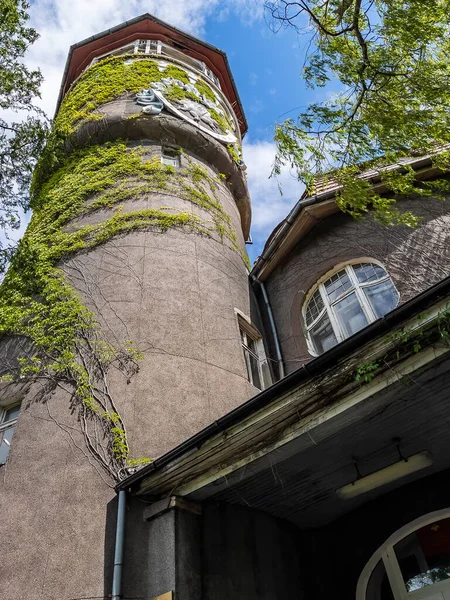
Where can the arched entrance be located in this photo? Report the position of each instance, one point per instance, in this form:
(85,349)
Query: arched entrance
(413,564)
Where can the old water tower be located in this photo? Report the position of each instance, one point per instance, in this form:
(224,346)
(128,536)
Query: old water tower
(126,326)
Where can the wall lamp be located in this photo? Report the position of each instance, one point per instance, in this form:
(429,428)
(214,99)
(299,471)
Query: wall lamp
(400,469)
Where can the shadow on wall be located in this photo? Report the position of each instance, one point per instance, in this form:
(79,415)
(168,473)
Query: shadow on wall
(109,543)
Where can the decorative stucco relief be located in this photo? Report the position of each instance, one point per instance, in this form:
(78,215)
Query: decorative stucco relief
(196,112)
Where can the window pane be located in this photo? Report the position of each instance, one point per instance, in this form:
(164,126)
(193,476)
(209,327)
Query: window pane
(379,587)
(265,370)
(251,344)
(424,556)
(315,306)
(5,440)
(369,272)
(12,413)
(383,297)
(337,285)
(350,314)
(322,335)
(254,368)
(170,160)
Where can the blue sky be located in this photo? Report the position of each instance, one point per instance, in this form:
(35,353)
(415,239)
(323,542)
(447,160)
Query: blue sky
(266,67)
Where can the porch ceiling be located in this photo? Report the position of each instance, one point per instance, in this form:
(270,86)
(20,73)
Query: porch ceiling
(298,481)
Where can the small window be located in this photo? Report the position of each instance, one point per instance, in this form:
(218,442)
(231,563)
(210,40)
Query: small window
(144,46)
(349,300)
(8,420)
(258,371)
(170,156)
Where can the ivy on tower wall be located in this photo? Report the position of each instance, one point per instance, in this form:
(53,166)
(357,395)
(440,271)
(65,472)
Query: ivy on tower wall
(38,302)
(107,80)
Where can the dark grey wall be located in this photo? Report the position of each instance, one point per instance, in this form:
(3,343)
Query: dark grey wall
(226,552)
(162,554)
(415,259)
(248,554)
(234,552)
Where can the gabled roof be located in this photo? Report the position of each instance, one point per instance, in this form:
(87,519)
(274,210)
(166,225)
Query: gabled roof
(149,27)
(312,208)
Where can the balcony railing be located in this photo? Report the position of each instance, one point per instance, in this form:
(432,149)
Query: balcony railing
(157,47)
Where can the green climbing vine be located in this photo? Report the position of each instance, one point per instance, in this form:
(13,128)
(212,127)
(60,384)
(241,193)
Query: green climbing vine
(103,82)
(39,303)
(205,90)
(407,342)
(235,151)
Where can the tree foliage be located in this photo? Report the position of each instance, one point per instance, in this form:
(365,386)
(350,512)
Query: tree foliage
(388,61)
(21,139)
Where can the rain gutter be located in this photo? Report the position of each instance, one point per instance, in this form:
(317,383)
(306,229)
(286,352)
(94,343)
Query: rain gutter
(317,366)
(118,552)
(271,248)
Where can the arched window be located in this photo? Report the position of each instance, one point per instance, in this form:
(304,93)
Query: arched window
(345,302)
(413,564)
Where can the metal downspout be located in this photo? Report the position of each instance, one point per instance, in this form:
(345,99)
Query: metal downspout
(272,327)
(118,552)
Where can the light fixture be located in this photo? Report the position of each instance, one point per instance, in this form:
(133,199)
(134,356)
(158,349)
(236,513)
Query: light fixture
(400,469)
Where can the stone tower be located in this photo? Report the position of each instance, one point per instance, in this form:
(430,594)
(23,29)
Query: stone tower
(120,334)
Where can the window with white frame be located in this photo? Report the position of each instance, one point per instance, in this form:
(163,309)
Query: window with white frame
(348,300)
(258,371)
(8,420)
(157,47)
(413,564)
(170,156)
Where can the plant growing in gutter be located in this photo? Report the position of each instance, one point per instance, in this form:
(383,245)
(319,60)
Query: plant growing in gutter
(406,343)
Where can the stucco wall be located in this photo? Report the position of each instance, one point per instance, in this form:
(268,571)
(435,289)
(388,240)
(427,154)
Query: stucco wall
(173,294)
(414,258)
(248,554)
(55,525)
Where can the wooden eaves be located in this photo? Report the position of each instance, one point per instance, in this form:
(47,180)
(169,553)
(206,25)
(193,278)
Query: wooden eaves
(292,407)
(311,209)
(147,26)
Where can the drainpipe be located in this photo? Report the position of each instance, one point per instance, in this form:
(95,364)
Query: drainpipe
(272,326)
(118,553)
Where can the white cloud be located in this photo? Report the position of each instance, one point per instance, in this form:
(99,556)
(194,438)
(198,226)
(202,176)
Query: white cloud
(269,207)
(223,15)
(253,78)
(62,23)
